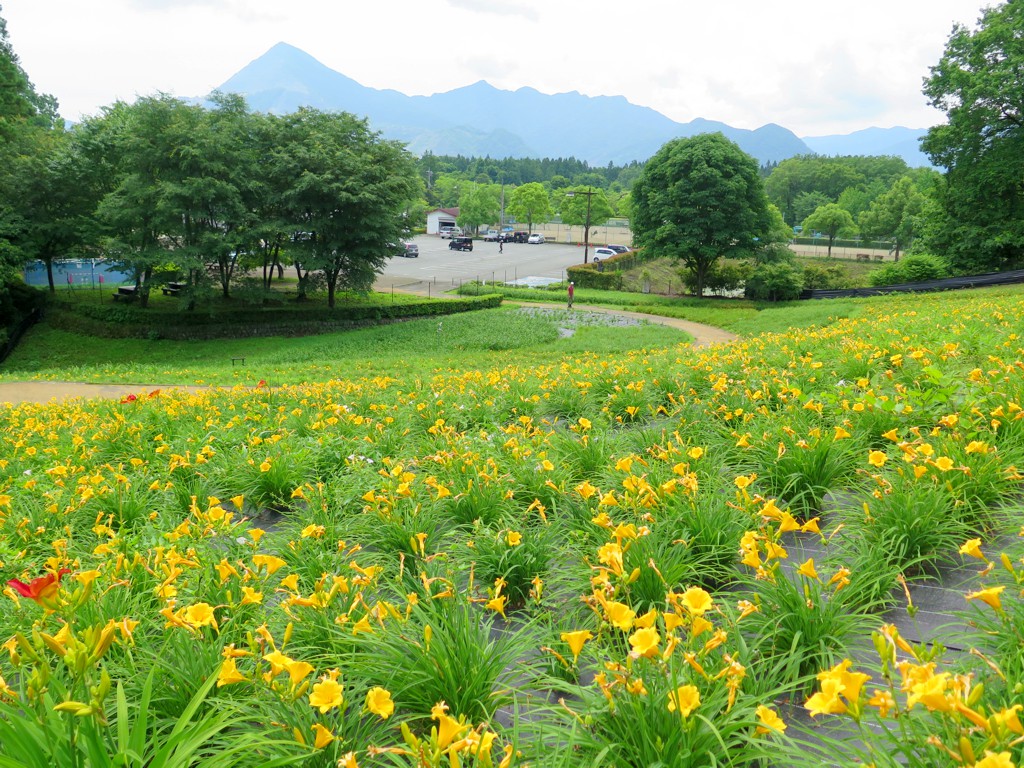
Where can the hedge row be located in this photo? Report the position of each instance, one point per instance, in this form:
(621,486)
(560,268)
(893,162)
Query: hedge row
(606,275)
(585,276)
(115,321)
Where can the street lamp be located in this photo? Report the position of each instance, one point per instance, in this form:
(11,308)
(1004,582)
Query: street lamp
(586,227)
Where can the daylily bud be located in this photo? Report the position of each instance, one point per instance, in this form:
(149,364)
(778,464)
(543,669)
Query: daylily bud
(76,708)
(966,750)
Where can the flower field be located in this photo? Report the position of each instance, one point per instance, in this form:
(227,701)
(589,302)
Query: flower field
(594,562)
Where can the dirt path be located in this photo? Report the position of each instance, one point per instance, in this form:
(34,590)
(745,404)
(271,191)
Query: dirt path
(16,392)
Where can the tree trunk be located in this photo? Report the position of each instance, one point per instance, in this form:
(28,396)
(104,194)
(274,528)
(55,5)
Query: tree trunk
(49,274)
(142,287)
(702,273)
(300,290)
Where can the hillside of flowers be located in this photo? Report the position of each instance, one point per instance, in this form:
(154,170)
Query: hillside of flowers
(596,562)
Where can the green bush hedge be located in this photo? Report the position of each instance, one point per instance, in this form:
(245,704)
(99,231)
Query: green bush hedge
(586,276)
(912,269)
(119,321)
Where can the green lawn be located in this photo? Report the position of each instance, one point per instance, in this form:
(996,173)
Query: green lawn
(475,338)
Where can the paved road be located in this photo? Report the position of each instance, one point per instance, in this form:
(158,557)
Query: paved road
(444,268)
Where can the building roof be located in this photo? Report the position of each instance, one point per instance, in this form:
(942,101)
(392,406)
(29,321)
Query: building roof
(449,211)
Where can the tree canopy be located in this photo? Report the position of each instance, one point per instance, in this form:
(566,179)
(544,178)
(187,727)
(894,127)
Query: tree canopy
(895,215)
(830,220)
(700,199)
(977,83)
(529,203)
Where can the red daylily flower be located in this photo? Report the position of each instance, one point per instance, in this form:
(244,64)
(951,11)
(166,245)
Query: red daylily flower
(129,399)
(42,589)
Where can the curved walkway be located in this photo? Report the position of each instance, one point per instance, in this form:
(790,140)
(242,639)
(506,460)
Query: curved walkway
(16,392)
(703,335)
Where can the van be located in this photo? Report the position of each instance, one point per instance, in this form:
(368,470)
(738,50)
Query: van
(461,244)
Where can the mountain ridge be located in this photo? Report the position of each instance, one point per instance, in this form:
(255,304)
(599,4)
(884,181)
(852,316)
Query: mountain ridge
(480,119)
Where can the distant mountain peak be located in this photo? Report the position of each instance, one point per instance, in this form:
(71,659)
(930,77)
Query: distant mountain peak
(481,119)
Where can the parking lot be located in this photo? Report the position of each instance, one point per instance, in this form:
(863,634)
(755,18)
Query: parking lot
(439,266)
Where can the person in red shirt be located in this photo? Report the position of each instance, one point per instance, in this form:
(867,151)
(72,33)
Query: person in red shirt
(572,290)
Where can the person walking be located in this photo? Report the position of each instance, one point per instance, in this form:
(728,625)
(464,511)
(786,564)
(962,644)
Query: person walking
(572,291)
(501,246)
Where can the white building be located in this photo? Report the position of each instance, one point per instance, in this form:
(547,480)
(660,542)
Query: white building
(441,217)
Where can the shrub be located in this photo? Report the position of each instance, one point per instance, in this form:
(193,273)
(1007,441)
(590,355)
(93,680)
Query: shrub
(912,269)
(775,282)
(588,277)
(826,278)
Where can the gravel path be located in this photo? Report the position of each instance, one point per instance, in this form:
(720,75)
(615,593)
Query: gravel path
(703,335)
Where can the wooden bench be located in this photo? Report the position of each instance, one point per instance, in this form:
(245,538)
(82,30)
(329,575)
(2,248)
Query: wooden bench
(237,360)
(863,257)
(879,257)
(126,293)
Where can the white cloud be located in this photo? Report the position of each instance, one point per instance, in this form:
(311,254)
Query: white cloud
(813,66)
(498,8)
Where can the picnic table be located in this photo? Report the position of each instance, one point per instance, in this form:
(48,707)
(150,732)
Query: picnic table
(173,289)
(126,293)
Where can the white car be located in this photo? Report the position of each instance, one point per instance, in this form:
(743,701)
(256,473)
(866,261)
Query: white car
(492,235)
(536,238)
(449,232)
(604,253)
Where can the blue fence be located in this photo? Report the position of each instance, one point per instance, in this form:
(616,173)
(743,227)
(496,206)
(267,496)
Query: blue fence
(86,273)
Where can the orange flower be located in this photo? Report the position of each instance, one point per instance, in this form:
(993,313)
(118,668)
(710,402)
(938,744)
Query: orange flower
(43,589)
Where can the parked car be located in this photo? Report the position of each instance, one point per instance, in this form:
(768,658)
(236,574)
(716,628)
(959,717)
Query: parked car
(520,237)
(604,253)
(507,237)
(461,244)
(535,238)
(449,232)
(618,248)
(492,236)
(409,250)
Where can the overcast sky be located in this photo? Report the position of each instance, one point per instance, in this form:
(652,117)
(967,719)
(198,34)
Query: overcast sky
(814,66)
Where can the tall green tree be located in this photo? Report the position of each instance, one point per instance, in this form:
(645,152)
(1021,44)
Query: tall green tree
(212,189)
(140,141)
(895,215)
(977,83)
(830,220)
(700,199)
(53,191)
(529,203)
(479,204)
(29,132)
(349,190)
